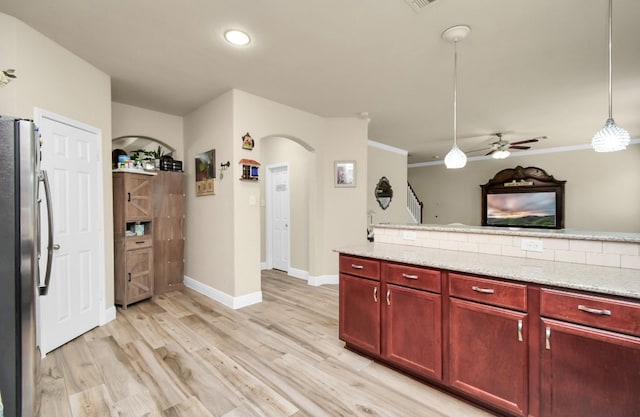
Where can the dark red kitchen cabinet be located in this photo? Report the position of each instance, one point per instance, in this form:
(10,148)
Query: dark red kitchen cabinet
(488,354)
(412,335)
(588,369)
(359,324)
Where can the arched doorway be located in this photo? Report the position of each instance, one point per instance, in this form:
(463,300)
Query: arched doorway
(285,218)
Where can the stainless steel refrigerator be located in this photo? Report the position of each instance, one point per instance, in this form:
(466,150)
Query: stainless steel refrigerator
(20,284)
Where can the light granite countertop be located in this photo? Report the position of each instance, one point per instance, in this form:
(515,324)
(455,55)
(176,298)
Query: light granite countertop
(518,231)
(600,279)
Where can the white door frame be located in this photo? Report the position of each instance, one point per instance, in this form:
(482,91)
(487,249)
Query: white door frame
(268,212)
(106,313)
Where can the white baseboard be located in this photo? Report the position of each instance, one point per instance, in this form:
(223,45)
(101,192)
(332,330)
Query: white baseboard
(298,273)
(107,315)
(222,297)
(311,280)
(322,280)
(264,265)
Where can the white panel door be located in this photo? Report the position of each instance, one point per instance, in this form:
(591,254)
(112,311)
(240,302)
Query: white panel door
(71,307)
(280,218)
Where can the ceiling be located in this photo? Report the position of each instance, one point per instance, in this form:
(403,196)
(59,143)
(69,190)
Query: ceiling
(528,68)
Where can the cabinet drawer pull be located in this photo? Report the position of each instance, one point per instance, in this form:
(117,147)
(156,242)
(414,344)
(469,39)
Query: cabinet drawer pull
(375,294)
(139,242)
(354,266)
(128,196)
(407,276)
(520,331)
(388,297)
(129,276)
(547,337)
(594,310)
(483,290)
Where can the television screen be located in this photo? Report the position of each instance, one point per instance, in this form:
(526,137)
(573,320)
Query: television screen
(536,209)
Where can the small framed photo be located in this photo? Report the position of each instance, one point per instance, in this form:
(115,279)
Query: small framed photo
(344,173)
(205,173)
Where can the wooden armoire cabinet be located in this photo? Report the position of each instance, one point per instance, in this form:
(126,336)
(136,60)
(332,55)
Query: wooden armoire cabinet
(133,253)
(168,236)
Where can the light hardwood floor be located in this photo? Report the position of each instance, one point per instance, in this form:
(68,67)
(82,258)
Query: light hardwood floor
(184,355)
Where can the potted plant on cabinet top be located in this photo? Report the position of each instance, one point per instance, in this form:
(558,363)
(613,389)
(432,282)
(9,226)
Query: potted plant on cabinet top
(152,155)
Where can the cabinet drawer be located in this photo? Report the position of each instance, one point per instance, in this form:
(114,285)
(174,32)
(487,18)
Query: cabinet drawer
(595,311)
(498,293)
(138,242)
(361,267)
(413,277)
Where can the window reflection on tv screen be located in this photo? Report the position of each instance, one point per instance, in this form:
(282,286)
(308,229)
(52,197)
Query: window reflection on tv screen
(522,209)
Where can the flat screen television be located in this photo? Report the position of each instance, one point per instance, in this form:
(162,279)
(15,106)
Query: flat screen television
(537,209)
(523,197)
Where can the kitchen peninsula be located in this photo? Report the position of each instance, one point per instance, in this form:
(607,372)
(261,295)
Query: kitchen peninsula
(526,322)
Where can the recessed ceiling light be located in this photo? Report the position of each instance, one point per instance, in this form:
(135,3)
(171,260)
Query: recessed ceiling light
(237,37)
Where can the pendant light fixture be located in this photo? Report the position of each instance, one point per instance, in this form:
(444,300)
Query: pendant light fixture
(455,158)
(611,137)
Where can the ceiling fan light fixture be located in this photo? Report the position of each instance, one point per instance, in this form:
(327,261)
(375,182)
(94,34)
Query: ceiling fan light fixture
(611,138)
(237,37)
(500,154)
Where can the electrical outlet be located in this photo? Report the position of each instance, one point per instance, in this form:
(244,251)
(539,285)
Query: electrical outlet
(409,235)
(532,245)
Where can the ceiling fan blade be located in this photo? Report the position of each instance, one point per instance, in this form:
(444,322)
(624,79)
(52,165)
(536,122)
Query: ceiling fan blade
(536,139)
(520,142)
(490,152)
(519,147)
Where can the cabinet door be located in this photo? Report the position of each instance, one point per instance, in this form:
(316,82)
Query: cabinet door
(139,274)
(360,313)
(168,265)
(168,232)
(589,372)
(412,323)
(138,190)
(488,354)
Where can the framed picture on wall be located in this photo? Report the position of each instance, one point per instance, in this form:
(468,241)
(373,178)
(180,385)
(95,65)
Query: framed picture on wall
(344,173)
(205,173)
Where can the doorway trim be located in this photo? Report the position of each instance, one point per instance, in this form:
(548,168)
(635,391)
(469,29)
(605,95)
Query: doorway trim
(268,213)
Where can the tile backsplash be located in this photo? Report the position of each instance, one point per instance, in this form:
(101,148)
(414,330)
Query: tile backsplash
(558,249)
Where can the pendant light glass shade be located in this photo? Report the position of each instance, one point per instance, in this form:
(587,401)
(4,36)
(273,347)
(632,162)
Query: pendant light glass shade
(611,138)
(455,158)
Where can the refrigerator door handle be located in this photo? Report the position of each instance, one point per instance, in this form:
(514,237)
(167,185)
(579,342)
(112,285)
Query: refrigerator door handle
(50,245)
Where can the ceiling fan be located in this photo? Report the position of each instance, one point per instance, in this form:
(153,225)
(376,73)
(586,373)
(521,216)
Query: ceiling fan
(500,148)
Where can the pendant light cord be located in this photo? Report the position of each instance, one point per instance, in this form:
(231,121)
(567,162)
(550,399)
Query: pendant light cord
(610,65)
(455,92)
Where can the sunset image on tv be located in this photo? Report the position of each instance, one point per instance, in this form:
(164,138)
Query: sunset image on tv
(522,209)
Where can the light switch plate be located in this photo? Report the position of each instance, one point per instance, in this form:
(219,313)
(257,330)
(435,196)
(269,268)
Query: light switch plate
(532,245)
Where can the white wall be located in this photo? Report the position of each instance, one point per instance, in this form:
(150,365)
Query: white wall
(135,121)
(53,79)
(209,229)
(345,209)
(601,193)
(224,236)
(8,59)
(391,163)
